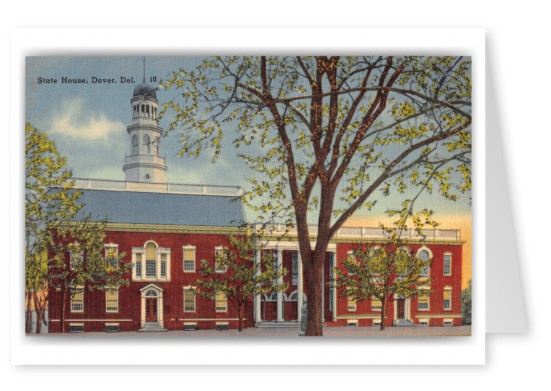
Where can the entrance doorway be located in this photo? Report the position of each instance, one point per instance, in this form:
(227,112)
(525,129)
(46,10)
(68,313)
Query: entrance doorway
(400,308)
(151,310)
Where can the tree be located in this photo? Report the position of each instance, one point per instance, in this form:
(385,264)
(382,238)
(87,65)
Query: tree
(51,234)
(49,200)
(382,272)
(79,262)
(325,135)
(237,276)
(466,304)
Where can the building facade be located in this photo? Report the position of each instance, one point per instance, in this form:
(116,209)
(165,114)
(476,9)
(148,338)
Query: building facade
(165,230)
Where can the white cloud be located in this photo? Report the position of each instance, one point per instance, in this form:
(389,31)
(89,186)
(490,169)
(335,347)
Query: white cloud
(74,120)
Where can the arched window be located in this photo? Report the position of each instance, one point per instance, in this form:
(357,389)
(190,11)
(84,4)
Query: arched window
(156,146)
(150,259)
(424,254)
(134,145)
(146,144)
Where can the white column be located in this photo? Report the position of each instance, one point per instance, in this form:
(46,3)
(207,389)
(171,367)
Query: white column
(299,286)
(142,320)
(279,282)
(160,309)
(257,299)
(334,290)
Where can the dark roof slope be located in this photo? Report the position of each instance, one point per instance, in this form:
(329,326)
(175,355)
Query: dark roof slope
(161,208)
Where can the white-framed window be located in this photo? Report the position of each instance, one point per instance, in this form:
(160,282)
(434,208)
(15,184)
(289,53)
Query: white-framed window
(221,302)
(189,299)
(189,259)
(448,322)
(352,322)
(447,264)
(351,304)
(77,299)
(75,259)
(112,255)
(376,304)
(220,252)
(423,301)
(423,322)
(151,263)
(138,264)
(447,299)
(294,269)
(350,256)
(376,323)
(111,300)
(424,254)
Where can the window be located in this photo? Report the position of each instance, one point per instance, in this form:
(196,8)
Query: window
(448,322)
(221,302)
(112,255)
(155,261)
(138,265)
(150,267)
(376,304)
(75,260)
(189,299)
(447,299)
(220,253)
(350,257)
(423,301)
(424,255)
(447,264)
(111,300)
(134,145)
(189,259)
(352,322)
(423,322)
(294,269)
(351,304)
(146,144)
(76,327)
(77,299)
(163,265)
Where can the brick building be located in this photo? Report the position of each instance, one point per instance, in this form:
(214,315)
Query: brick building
(166,229)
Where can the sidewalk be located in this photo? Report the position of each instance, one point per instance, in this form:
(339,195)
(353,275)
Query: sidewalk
(284,332)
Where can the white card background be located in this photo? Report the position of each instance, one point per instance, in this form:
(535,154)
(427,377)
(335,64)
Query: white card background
(435,351)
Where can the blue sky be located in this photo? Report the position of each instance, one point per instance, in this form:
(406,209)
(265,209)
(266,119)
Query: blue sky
(88,123)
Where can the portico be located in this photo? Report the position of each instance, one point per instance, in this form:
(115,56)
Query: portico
(296,293)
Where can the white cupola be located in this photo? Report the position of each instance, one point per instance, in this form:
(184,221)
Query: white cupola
(144,163)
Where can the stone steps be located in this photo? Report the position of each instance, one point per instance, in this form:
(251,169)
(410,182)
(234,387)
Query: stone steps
(279,324)
(152,327)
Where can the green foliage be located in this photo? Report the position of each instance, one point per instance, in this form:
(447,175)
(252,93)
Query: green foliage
(51,204)
(49,201)
(330,120)
(95,269)
(235,273)
(466,304)
(324,135)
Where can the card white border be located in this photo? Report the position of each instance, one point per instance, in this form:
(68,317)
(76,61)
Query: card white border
(276,351)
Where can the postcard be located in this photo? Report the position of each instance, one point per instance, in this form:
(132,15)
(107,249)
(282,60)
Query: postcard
(265,196)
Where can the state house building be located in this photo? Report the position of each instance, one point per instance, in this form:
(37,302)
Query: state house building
(166,229)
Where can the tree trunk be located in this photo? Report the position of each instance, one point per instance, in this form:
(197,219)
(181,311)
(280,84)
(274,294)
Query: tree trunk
(240,316)
(63,294)
(383,313)
(39,314)
(314,281)
(28,317)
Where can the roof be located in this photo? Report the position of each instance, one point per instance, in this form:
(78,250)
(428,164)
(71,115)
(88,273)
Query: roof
(161,208)
(145,90)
